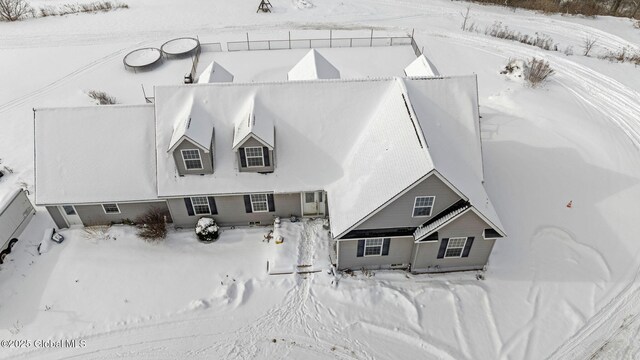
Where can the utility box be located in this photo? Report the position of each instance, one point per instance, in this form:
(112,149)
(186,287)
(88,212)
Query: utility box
(15,213)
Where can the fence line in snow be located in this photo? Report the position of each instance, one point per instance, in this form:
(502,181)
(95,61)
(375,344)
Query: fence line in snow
(329,42)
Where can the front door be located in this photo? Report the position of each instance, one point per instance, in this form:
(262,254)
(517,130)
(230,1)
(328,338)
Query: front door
(313,203)
(70,214)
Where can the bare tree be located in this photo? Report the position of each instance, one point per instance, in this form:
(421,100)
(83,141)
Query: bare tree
(589,43)
(465,16)
(12,10)
(614,7)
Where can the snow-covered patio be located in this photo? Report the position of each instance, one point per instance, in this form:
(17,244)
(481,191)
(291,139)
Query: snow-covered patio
(304,247)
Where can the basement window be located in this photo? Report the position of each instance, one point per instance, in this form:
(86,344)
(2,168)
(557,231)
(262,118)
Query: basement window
(111,208)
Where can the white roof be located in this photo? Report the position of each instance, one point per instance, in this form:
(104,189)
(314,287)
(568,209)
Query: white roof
(386,158)
(316,123)
(452,132)
(360,140)
(313,66)
(253,121)
(364,141)
(95,154)
(213,73)
(194,125)
(421,67)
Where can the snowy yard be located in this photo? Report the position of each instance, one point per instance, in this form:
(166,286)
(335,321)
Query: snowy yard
(562,285)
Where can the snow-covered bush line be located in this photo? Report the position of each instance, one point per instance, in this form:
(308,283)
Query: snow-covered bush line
(622,55)
(542,41)
(67,9)
(152,225)
(13,10)
(101,97)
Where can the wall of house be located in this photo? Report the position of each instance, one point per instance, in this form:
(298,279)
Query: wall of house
(231,210)
(399,213)
(250,142)
(206,157)
(469,224)
(400,249)
(94,214)
(57,216)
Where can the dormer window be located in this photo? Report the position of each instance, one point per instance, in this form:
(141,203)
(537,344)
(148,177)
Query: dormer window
(255,156)
(192,160)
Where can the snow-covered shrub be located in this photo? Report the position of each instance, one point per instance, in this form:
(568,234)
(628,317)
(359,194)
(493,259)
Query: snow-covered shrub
(152,225)
(207,229)
(537,72)
(101,97)
(72,8)
(12,10)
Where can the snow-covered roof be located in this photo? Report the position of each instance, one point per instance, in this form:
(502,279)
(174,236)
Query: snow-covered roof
(317,124)
(313,66)
(95,154)
(214,73)
(364,141)
(253,121)
(388,156)
(448,116)
(421,66)
(193,124)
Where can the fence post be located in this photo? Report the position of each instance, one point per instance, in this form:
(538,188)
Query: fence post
(248,46)
(289,40)
(330,38)
(371,39)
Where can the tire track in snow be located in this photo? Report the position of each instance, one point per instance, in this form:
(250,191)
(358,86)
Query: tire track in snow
(618,103)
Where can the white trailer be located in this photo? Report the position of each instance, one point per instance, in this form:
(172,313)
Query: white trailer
(15,213)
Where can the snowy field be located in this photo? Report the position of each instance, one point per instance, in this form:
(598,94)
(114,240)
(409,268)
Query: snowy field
(563,285)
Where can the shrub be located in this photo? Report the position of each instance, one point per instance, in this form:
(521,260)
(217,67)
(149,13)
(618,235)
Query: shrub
(152,225)
(542,41)
(67,9)
(102,98)
(207,229)
(12,10)
(537,72)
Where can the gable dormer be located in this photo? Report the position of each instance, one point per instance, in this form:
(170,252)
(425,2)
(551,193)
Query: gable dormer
(254,140)
(192,142)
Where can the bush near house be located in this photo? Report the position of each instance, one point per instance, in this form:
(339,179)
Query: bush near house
(152,225)
(207,229)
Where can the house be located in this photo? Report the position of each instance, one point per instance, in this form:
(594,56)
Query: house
(395,163)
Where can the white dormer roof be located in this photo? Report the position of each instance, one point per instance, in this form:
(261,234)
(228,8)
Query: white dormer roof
(421,67)
(313,66)
(215,73)
(253,122)
(194,125)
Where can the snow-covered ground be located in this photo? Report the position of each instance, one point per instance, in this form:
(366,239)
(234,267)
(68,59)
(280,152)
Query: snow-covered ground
(564,284)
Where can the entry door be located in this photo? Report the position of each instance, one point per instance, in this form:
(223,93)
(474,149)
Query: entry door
(313,203)
(70,214)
